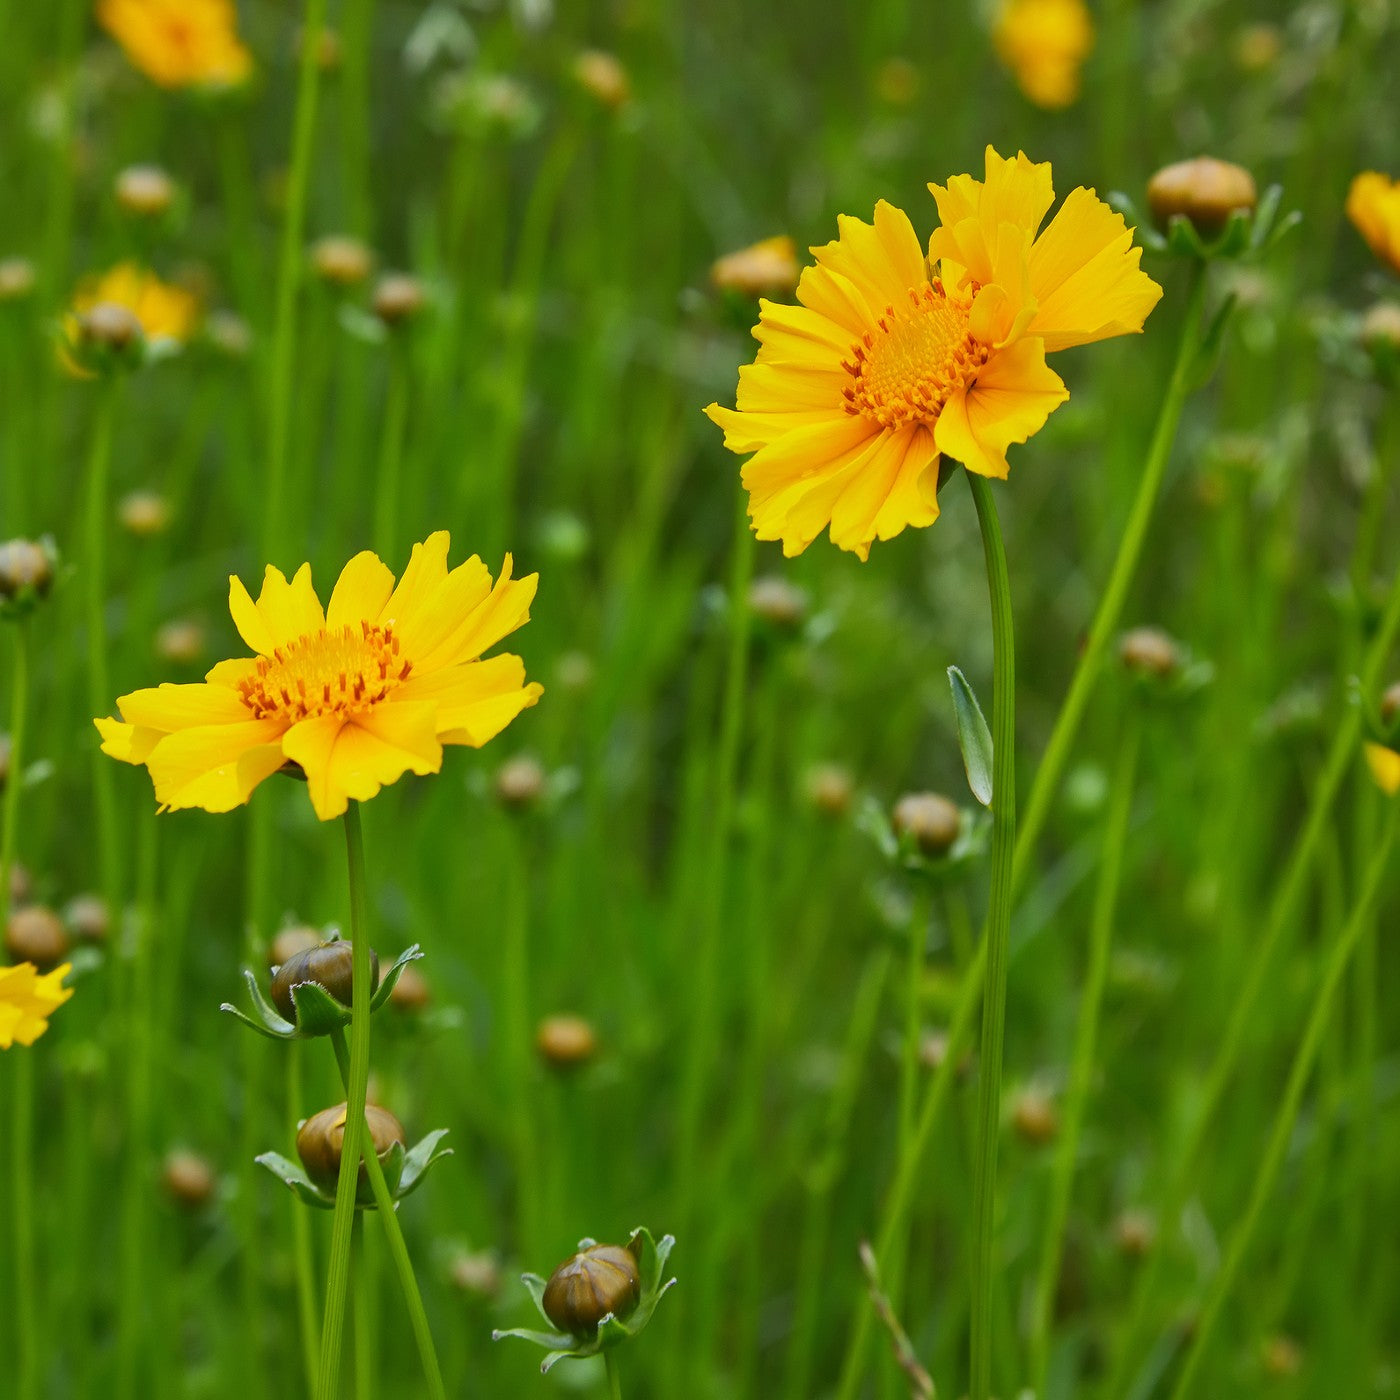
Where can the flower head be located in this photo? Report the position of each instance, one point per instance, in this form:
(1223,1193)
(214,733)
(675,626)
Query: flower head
(351,696)
(1384,763)
(1044,43)
(179,43)
(27,1000)
(1373,205)
(127,296)
(894,358)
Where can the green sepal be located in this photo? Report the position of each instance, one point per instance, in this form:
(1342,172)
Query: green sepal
(1247,235)
(390,979)
(974,738)
(291,1175)
(417,1160)
(974,840)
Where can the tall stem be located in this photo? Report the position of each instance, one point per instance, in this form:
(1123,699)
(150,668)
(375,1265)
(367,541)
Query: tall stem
(997,936)
(614,1378)
(301,1241)
(1287,1116)
(1085,1044)
(333,1328)
(364,1361)
(388,488)
(19,712)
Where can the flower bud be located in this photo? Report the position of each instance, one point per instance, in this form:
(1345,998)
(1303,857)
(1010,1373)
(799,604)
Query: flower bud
(597,1281)
(411,992)
(228,333)
(16,278)
(290,941)
(36,935)
(777,601)
(329,965)
(321,1139)
(829,789)
(566,1041)
(520,781)
(1281,1357)
(144,191)
(188,1179)
(341,260)
(1390,704)
(110,326)
(1149,651)
(897,82)
(144,513)
(26,568)
(478,1273)
(931,820)
(1380,327)
(1034,1118)
(87,918)
(765,269)
(602,75)
(180,641)
(1205,190)
(398,298)
(1135,1232)
(21,885)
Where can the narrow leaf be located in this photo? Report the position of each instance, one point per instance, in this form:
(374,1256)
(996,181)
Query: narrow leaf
(974,738)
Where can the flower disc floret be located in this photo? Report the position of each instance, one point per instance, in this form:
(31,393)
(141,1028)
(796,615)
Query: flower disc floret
(328,672)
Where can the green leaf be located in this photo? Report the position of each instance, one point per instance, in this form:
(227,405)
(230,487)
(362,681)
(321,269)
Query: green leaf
(974,737)
(416,1162)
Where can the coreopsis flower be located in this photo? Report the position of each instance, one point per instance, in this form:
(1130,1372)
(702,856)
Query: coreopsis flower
(179,43)
(1373,205)
(165,313)
(27,1000)
(767,268)
(894,359)
(1044,43)
(1384,763)
(351,696)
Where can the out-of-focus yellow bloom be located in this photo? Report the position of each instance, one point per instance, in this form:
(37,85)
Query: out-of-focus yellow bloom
(769,268)
(1044,43)
(1373,205)
(27,1000)
(353,696)
(1384,764)
(893,358)
(166,312)
(179,43)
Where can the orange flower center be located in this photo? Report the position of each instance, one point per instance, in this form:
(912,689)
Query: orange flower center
(922,352)
(326,673)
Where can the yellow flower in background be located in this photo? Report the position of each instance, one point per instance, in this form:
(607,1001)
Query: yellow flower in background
(894,358)
(354,696)
(179,43)
(1044,43)
(1384,764)
(166,312)
(767,268)
(27,1000)
(1373,205)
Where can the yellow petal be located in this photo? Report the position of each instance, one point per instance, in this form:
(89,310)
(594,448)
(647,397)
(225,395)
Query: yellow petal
(505,609)
(215,767)
(116,739)
(1384,764)
(365,585)
(1012,397)
(427,624)
(1016,192)
(290,610)
(473,701)
(249,621)
(171,707)
(427,568)
(883,259)
(894,486)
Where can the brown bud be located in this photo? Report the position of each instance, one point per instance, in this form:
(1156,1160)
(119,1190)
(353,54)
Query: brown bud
(110,326)
(21,885)
(25,565)
(566,1041)
(602,76)
(145,191)
(520,781)
(188,1178)
(1390,703)
(228,333)
(599,1280)
(476,1272)
(144,513)
(411,992)
(1149,651)
(829,789)
(86,915)
(321,1139)
(341,260)
(329,965)
(398,298)
(290,941)
(765,269)
(1135,1232)
(932,820)
(1281,1357)
(16,278)
(1380,327)
(36,935)
(1034,1118)
(1205,190)
(181,641)
(777,601)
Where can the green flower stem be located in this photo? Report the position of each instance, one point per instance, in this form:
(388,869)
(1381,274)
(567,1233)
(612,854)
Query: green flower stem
(301,1240)
(1046,784)
(913,1008)
(19,715)
(364,1361)
(387,490)
(997,937)
(22,1204)
(398,1248)
(516,1030)
(289,265)
(614,1378)
(1287,1116)
(1085,1045)
(357,1080)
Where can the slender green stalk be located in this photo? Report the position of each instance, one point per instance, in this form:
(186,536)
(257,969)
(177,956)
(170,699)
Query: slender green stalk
(388,487)
(238,199)
(289,264)
(997,937)
(1085,1046)
(19,716)
(614,1378)
(22,1206)
(398,1248)
(364,1362)
(333,1327)
(516,1028)
(301,1241)
(913,1017)
(1045,786)
(1287,1116)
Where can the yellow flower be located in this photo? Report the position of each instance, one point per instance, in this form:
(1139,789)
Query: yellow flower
(179,43)
(893,358)
(1044,43)
(353,696)
(1384,764)
(768,268)
(1373,205)
(166,312)
(27,1000)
